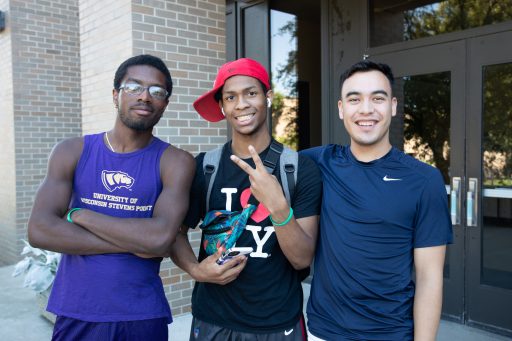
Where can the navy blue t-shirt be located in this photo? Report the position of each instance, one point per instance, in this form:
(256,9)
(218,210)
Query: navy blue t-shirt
(373,215)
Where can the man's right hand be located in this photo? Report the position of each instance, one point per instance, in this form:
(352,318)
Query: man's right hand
(209,271)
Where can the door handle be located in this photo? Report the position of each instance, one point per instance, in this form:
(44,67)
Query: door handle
(472,202)
(455,200)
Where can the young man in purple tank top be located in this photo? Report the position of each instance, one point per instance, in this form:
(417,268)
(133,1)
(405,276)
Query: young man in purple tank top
(112,203)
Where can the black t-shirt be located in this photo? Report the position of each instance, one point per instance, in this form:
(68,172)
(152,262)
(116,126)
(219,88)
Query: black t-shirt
(267,296)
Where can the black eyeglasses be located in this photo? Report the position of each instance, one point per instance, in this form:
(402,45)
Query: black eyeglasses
(135,89)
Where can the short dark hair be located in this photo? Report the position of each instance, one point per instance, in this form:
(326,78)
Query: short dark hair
(366,66)
(218,94)
(144,59)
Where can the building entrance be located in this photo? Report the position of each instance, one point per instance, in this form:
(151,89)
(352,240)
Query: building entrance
(453,86)
(455,114)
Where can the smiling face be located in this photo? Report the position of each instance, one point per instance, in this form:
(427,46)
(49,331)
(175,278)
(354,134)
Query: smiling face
(140,112)
(245,105)
(366,108)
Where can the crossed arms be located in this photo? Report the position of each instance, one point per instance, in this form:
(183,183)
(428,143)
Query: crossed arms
(95,233)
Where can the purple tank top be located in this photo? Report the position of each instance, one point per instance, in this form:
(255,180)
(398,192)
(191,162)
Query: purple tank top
(121,286)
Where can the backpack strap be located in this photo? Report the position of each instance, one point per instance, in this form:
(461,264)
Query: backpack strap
(288,165)
(273,156)
(210,166)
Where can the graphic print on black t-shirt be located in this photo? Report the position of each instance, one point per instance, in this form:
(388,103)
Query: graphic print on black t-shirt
(260,215)
(268,285)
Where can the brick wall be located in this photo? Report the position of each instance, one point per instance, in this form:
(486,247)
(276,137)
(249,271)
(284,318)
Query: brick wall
(189,36)
(59,84)
(105,42)
(46,95)
(7,157)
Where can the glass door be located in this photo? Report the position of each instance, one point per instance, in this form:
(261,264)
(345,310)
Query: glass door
(455,112)
(489,181)
(430,126)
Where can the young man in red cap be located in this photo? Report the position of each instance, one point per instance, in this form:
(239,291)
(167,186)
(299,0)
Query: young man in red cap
(258,297)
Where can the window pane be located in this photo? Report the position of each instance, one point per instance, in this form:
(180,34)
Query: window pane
(283,56)
(424,134)
(497,174)
(396,21)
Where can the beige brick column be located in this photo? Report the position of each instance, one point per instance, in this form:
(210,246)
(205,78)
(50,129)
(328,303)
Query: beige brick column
(8,232)
(39,63)
(189,36)
(105,42)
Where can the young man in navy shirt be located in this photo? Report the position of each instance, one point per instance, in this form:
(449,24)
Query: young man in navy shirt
(383,213)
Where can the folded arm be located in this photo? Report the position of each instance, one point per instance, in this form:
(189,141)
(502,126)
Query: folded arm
(47,229)
(150,236)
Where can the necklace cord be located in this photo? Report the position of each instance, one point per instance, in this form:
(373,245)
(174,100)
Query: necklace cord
(108,141)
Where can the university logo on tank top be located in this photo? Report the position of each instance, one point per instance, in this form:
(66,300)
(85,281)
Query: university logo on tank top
(122,185)
(113,180)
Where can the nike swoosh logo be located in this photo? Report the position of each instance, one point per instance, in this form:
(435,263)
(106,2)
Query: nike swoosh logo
(385,178)
(288,332)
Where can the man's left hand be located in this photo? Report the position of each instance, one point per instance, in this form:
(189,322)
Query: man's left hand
(264,186)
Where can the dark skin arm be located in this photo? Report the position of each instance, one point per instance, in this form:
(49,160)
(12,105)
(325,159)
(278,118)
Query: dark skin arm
(155,235)
(46,227)
(298,237)
(208,270)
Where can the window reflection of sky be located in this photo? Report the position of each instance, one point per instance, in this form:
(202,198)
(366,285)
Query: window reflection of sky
(280,45)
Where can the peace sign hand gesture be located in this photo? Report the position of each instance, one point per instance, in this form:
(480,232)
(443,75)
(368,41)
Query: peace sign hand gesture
(264,186)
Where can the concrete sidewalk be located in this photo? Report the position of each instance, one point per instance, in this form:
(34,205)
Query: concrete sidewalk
(20,319)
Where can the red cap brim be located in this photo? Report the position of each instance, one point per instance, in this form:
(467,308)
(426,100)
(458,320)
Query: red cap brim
(207,106)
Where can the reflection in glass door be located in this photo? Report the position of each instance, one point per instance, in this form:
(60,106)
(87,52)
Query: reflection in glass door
(497,174)
(489,164)
(426,100)
(283,60)
(296,72)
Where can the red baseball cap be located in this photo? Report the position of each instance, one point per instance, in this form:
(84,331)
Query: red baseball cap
(207,106)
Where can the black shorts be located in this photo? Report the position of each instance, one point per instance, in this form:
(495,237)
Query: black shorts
(203,331)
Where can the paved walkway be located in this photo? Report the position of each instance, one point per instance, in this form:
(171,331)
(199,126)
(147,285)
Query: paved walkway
(20,319)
